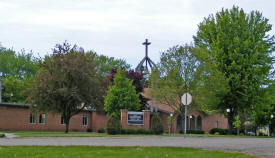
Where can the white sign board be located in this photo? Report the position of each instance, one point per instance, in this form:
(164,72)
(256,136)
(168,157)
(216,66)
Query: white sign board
(135,118)
(186,99)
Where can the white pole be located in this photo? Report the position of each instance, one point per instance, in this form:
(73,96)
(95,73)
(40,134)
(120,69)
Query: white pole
(185,115)
(0,91)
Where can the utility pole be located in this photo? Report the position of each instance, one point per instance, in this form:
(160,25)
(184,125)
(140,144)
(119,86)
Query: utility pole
(0,90)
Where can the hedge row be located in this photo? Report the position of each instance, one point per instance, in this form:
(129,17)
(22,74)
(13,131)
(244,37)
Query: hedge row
(192,131)
(2,135)
(139,131)
(219,130)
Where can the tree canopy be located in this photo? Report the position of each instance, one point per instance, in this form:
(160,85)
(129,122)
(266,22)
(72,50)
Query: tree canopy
(186,69)
(122,95)
(137,81)
(18,65)
(241,48)
(66,83)
(17,71)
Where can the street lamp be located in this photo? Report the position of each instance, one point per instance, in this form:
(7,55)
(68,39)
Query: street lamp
(228,110)
(190,116)
(170,122)
(271,126)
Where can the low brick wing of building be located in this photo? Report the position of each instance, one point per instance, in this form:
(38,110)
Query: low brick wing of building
(20,117)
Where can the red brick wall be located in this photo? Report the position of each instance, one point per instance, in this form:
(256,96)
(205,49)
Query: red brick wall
(208,121)
(124,120)
(18,118)
(98,121)
(164,118)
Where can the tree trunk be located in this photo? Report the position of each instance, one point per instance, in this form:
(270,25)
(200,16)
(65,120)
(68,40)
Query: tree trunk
(230,122)
(67,121)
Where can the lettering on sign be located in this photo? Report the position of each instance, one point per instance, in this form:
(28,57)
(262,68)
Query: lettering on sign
(135,118)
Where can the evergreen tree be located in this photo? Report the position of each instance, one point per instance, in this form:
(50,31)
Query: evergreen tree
(122,95)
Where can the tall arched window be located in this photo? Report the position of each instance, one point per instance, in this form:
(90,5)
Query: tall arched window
(199,123)
(187,124)
(192,122)
(179,123)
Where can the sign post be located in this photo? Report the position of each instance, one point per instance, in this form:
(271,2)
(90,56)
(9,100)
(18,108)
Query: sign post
(0,91)
(186,99)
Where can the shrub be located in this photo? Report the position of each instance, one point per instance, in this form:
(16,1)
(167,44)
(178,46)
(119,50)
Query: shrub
(206,132)
(131,131)
(192,131)
(150,131)
(2,135)
(89,130)
(123,131)
(241,134)
(156,124)
(113,124)
(216,133)
(141,131)
(225,131)
(221,131)
(101,130)
(195,131)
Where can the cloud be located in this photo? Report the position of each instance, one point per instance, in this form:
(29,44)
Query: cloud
(111,27)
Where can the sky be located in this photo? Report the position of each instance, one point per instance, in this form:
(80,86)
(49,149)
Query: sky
(116,28)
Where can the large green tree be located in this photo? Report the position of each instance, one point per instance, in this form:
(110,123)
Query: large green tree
(103,65)
(18,65)
(122,95)
(17,90)
(186,69)
(67,83)
(17,71)
(241,47)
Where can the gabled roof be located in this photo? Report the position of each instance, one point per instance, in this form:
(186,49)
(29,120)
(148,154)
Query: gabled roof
(15,104)
(161,106)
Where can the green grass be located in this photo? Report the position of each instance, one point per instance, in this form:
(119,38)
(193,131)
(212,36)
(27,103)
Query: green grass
(93,134)
(112,152)
(55,134)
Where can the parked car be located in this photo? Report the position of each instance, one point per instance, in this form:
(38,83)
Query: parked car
(250,134)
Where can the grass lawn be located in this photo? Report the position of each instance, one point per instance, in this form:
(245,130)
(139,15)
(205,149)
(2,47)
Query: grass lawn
(112,152)
(93,134)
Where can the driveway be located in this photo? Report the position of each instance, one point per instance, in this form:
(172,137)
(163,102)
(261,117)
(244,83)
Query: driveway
(257,146)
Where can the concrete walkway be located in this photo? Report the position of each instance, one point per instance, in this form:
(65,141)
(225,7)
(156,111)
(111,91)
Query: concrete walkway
(10,135)
(257,146)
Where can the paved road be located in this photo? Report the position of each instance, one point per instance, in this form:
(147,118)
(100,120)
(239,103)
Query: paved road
(258,146)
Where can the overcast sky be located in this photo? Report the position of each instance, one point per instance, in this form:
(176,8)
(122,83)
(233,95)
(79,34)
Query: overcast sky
(111,27)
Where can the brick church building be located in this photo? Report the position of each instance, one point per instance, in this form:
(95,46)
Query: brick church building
(20,117)
(15,116)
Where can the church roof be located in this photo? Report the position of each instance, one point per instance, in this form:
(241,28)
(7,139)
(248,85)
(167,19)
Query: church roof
(161,107)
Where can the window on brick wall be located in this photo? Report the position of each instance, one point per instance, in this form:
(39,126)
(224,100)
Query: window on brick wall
(217,124)
(32,118)
(85,121)
(42,118)
(62,120)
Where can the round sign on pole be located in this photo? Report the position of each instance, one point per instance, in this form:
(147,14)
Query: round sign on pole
(186,99)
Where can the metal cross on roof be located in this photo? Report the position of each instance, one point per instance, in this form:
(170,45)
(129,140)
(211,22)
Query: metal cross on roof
(140,68)
(146,43)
